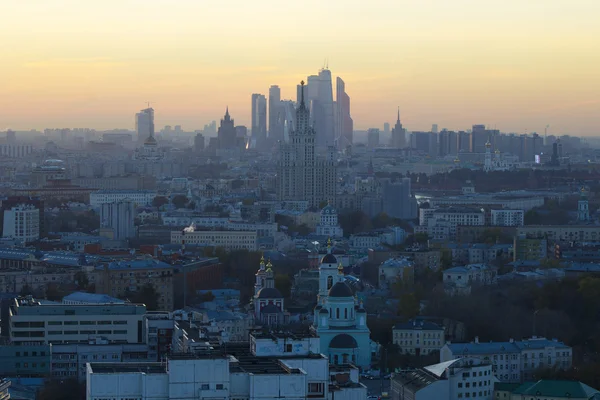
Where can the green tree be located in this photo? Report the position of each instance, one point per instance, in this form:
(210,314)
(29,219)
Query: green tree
(284,284)
(81,280)
(446,259)
(69,389)
(409,306)
(146,295)
(179,201)
(421,238)
(26,291)
(159,202)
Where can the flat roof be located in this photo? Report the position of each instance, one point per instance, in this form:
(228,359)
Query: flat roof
(114,368)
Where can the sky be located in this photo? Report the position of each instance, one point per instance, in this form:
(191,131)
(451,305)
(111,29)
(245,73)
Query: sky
(517,65)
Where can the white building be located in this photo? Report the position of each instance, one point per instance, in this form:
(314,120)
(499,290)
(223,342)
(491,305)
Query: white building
(328,225)
(365,241)
(263,229)
(505,217)
(515,360)
(119,217)
(138,197)
(394,270)
(450,380)
(460,280)
(33,321)
(274,366)
(230,240)
(22,222)
(418,337)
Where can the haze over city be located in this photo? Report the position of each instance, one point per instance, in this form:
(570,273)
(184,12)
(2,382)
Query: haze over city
(515,65)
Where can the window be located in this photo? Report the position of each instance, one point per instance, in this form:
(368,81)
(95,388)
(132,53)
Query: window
(204,386)
(316,388)
(219,386)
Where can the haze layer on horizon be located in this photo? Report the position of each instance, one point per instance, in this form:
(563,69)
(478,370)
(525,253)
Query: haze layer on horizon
(517,65)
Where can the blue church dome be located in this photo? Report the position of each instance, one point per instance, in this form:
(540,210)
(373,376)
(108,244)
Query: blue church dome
(269,293)
(329,259)
(340,289)
(343,341)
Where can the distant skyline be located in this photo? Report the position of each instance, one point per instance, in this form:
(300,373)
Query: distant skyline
(516,65)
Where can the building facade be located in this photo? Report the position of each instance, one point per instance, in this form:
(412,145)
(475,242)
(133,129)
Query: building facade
(22,222)
(119,217)
(230,240)
(328,225)
(302,175)
(418,337)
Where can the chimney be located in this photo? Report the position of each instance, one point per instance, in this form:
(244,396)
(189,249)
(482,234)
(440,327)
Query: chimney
(477,339)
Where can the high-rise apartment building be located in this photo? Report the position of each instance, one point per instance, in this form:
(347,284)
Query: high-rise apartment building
(144,124)
(199,142)
(301,174)
(22,222)
(344,124)
(398,134)
(397,199)
(119,217)
(276,114)
(18,201)
(259,118)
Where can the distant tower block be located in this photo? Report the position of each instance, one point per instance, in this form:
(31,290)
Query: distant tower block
(583,207)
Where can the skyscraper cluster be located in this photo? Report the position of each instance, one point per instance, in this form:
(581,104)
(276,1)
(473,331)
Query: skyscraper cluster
(330,119)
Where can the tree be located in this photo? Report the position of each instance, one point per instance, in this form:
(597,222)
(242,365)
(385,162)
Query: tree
(421,238)
(206,297)
(26,291)
(81,280)
(147,295)
(179,201)
(159,202)
(284,284)
(409,306)
(69,389)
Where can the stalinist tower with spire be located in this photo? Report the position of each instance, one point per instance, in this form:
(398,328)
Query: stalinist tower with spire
(398,134)
(302,175)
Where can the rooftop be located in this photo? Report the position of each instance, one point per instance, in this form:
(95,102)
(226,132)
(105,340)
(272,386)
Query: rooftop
(555,388)
(94,298)
(124,368)
(503,347)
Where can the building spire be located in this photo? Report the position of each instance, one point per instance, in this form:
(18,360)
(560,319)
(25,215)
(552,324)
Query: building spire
(398,113)
(227,112)
(340,268)
(269,266)
(302,105)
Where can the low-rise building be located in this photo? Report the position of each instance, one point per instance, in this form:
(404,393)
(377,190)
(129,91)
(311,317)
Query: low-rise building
(529,249)
(460,280)
(545,389)
(506,217)
(450,380)
(515,360)
(418,337)
(230,240)
(396,270)
(138,197)
(41,322)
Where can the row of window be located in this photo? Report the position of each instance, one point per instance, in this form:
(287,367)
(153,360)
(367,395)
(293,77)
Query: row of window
(87,322)
(481,383)
(481,394)
(85,332)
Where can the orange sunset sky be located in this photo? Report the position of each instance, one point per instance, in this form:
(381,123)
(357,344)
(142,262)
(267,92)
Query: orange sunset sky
(518,65)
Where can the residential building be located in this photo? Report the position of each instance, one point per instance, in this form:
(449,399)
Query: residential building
(396,270)
(373,138)
(16,201)
(302,174)
(329,225)
(144,124)
(505,217)
(545,389)
(39,322)
(276,114)
(460,280)
(230,240)
(397,199)
(529,249)
(450,380)
(126,277)
(515,360)
(562,233)
(25,360)
(138,197)
(418,337)
(22,222)
(119,218)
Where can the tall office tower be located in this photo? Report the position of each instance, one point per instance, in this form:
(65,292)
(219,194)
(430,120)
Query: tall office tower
(289,112)
(259,119)
(320,98)
(198,142)
(119,217)
(434,128)
(443,143)
(227,134)
(344,123)
(387,137)
(276,115)
(464,141)
(397,199)
(11,137)
(144,124)
(301,174)
(373,138)
(398,134)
